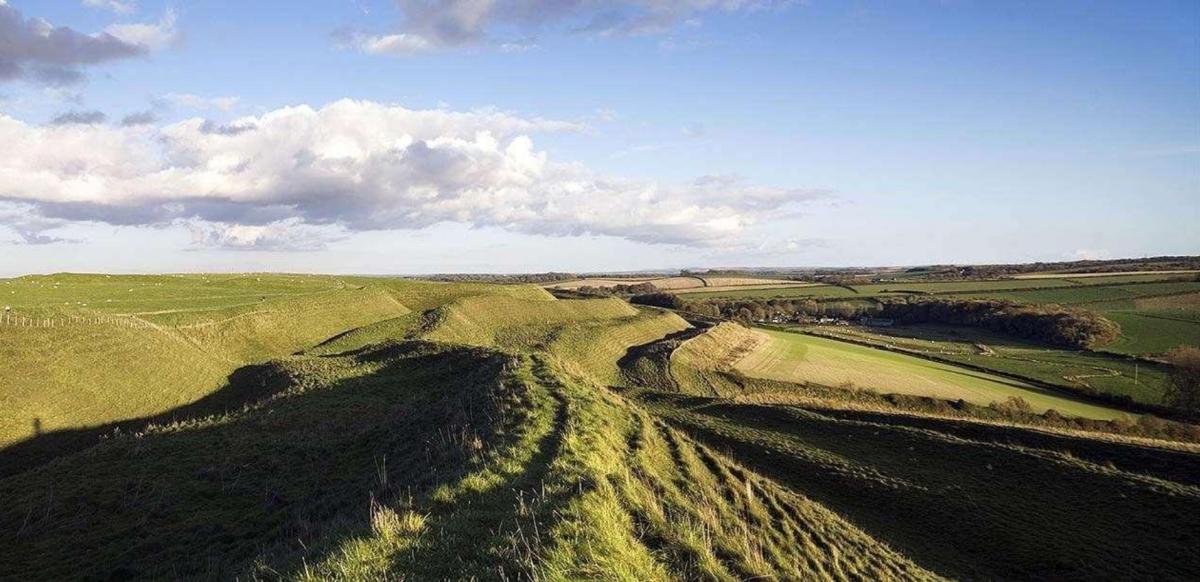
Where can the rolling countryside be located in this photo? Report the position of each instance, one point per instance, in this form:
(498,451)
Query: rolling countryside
(361,428)
(611,291)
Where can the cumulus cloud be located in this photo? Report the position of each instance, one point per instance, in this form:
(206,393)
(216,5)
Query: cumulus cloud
(189,101)
(36,50)
(354,166)
(430,25)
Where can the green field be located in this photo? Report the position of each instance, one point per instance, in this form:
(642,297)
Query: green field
(123,347)
(1142,381)
(372,429)
(1145,334)
(795,357)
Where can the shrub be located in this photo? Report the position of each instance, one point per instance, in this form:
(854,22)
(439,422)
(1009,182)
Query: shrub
(1183,391)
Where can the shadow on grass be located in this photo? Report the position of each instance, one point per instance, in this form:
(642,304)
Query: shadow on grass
(246,385)
(258,491)
(964,501)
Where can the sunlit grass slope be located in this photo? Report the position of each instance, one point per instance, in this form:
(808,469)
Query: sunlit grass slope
(794,357)
(124,347)
(515,323)
(422,461)
(797,357)
(91,374)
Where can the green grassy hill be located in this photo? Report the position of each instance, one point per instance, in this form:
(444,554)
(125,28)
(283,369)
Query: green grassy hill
(376,429)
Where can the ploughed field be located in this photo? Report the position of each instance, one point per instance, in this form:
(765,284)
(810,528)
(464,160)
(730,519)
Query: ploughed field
(315,428)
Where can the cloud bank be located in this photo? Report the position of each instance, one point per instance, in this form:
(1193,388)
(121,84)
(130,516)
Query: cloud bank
(431,25)
(36,50)
(258,181)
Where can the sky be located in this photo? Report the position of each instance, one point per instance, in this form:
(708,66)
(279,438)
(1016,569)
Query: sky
(414,136)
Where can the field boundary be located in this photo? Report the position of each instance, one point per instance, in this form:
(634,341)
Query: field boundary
(1130,406)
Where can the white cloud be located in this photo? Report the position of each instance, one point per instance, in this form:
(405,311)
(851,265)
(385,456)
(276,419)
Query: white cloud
(199,103)
(391,44)
(118,6)
(357,165)
(149,36)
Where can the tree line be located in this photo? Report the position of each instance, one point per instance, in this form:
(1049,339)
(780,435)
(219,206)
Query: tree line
(1051,324)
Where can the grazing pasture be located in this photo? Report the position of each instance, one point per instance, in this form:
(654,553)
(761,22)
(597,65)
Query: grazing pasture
(1072,369)
(795,357)
(1145,333)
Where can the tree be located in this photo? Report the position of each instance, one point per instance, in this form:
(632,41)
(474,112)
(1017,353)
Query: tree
(1183,391)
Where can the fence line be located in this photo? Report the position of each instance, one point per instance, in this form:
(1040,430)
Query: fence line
(9,319)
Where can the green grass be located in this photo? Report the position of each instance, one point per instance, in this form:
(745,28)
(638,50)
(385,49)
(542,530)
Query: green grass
(153,343)
(968,501)
(1091,296)
(382,429)
(514,323)
(1145,334)
(429,462)
(1141,381)
(795,357)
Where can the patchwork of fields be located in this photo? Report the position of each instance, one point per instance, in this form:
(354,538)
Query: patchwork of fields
(687,284)
(1156,311)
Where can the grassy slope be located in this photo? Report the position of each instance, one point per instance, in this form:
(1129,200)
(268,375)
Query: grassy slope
(1141,381)
(373,458)
(716,349)
(593,348)
(1145,334)
(89,374)
(429,462)
(515,323)
(994,503)
(192,331)
(796,357)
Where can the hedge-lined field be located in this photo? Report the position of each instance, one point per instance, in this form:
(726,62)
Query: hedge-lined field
(1085,371)
(795,357)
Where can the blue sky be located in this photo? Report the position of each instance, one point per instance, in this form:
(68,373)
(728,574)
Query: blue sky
(660,133)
